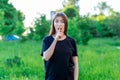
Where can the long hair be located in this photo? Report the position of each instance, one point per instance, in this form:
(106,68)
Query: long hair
(59,14)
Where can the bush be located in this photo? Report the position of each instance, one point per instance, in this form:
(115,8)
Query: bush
(73,30)
(3,73)
(71,11)
(84,25)
(16,61)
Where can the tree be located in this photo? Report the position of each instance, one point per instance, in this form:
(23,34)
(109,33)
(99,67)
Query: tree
(84,24)
(102,7)
(11,19)
(1,20)
(71,11)
(71,2)
(114,23)
(19,28)
(40,29)
(41,26)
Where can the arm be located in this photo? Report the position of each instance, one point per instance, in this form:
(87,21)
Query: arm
(49,52)
(75,60)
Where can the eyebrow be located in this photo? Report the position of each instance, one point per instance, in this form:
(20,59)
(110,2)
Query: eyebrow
(60,20)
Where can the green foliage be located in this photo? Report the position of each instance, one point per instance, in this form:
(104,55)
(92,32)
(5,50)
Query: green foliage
(26,65)
(102,7)
(71,3)
(42,27)
(99,60)
(113,22)
(84,24)
(73,30)
(105,26)
(16,61)
(71,11)
(11,20)
(19,28)
(104,29)
(31,34)
(108,26)
(1,20)
(3,73)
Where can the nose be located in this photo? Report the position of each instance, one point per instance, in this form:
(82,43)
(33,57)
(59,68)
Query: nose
(60,24)
(59,28)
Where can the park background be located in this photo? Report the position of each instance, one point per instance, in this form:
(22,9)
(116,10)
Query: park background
(97,36)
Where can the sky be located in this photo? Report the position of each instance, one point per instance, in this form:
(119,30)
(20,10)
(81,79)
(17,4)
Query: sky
(32,8)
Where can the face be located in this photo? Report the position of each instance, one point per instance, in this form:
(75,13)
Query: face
(59,24)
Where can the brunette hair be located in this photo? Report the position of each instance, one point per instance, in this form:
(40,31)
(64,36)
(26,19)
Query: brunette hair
(59,14)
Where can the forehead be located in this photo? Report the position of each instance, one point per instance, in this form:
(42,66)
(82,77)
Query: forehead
(59,18)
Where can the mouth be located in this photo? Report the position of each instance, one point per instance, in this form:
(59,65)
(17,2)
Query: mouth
(60,29)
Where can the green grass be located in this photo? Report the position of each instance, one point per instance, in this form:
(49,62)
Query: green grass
(99,60)
(31,63)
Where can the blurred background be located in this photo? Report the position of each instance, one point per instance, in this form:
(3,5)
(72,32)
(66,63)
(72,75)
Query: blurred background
(95,25)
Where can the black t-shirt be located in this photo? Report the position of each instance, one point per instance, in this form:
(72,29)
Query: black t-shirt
(60,65)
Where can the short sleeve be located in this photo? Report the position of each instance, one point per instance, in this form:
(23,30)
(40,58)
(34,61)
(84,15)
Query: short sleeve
(75,48)
(46,44)
(43,47)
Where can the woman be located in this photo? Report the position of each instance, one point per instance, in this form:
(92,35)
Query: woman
(59,51)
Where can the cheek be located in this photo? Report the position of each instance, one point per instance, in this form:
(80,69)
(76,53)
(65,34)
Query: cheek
(63,27)
(56,28)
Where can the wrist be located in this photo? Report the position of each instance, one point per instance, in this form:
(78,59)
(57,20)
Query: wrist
(56,38)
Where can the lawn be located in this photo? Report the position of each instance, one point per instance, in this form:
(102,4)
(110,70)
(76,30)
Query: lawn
(99,60)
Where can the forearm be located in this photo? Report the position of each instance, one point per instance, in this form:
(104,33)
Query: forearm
(76,72)
(49,52)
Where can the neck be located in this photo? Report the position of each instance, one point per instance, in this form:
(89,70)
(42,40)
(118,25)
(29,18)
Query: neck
(61,37)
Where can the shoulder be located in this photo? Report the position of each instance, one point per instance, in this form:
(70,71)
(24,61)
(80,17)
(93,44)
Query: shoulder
(47,38)
(71,39)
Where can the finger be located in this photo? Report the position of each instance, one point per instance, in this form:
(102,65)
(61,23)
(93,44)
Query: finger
(60,28)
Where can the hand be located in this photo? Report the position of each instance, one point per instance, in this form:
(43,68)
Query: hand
(59,34)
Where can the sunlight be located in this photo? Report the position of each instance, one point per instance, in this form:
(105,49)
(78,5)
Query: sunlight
(32,8)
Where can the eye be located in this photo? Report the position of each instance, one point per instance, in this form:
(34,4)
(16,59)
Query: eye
(59,21)
(62,21)
(56,21)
